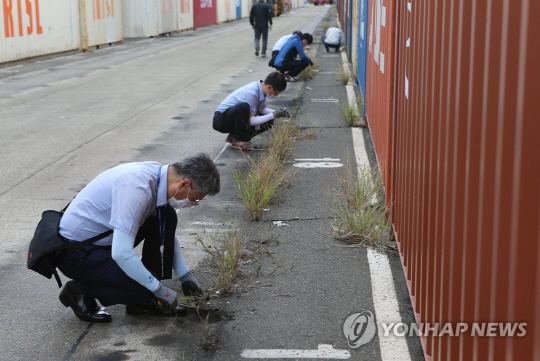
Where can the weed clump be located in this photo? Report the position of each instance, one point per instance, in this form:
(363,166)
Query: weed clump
(257,186)
(351,113)
(308,72)
(225,257)
(360,217)
(344,76)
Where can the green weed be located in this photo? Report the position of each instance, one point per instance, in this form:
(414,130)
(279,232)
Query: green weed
(344,76)
(352,113)
(225,257)
(360,218)
(257,187)
(308,72)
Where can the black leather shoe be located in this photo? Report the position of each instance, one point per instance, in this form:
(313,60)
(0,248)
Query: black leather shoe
(84,307)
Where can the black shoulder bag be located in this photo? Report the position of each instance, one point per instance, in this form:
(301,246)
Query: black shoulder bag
(47,245)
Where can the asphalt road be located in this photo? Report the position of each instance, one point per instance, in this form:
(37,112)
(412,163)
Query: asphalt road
(65,119)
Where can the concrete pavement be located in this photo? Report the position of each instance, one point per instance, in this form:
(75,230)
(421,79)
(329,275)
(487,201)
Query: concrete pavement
(67,119)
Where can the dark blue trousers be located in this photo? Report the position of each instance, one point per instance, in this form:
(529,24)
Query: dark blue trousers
(235,121)
(327,46)
(96,274)
(293,67)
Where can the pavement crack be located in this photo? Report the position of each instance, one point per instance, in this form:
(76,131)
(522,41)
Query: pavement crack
(74,347)
(297,219)
(323,127)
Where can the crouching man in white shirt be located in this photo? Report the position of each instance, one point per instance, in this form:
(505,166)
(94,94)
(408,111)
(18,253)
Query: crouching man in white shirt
(137,201)
(333,38)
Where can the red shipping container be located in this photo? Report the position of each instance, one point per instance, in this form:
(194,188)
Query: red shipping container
(204,12)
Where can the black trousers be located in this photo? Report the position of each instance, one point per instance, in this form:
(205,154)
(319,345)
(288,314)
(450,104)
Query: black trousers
(235,121)
(327,46)
(96,274)
(294,67)
(258,32)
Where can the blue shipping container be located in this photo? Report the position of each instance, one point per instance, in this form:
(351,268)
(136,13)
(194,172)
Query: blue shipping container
(362,50)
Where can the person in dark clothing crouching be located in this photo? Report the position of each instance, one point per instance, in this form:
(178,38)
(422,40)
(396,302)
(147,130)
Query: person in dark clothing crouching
(286,61)
(244,114)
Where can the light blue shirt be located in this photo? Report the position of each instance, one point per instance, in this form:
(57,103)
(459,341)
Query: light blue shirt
(279,44)
(252,94)
(122,197)
(334,36)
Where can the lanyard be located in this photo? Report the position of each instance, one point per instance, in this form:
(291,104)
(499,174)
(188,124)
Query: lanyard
(159,209)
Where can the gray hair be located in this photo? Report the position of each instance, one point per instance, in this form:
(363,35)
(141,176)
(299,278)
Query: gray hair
(202,172)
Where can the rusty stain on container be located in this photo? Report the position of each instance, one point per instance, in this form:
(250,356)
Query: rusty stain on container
(226,10)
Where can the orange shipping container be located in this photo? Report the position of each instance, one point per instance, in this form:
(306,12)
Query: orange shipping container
(465,169)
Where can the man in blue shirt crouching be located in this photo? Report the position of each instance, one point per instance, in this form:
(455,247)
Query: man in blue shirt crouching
(286,61)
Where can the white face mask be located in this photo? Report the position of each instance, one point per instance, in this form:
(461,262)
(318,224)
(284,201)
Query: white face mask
(183,203)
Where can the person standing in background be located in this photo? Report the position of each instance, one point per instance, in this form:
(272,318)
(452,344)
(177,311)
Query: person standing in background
(260,18)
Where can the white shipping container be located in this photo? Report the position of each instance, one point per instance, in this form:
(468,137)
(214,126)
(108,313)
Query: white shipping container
(139,18)
(185,14)
(146,18)
(33,28)
(226,10)
(167,16)
(103,22)
(246,8)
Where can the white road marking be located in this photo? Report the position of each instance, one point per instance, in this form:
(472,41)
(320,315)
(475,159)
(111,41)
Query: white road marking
(345,63)
(362,160)
(329,100)
(317,160)
(318,165)
(386,306)
(382,282)
(351,96)
(219,155)
(323,352)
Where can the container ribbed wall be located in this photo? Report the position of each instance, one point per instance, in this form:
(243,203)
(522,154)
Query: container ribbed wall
(465,169)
